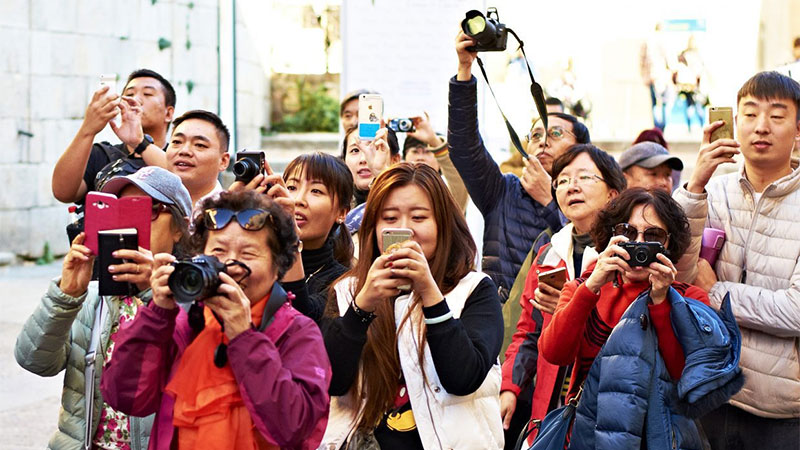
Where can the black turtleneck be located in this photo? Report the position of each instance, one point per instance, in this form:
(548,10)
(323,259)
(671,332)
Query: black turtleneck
(321,269)
(360,196)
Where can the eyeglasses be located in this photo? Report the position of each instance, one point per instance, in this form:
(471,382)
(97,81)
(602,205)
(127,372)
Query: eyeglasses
(158,208)
(583,179)
(652,234)
(554,133)
(249,219)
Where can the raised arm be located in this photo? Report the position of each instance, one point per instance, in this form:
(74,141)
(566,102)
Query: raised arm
(480,172)
(68,184)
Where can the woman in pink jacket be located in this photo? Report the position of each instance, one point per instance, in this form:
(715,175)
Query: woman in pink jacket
(245,370)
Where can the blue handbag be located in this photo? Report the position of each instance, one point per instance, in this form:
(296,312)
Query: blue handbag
(553,429)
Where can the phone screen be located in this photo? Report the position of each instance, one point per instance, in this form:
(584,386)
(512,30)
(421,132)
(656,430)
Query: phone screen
(370,113)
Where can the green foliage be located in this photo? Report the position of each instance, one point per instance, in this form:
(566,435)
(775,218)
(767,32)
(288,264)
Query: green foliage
(164,43)
(189,86)
(47,255)
(318,111)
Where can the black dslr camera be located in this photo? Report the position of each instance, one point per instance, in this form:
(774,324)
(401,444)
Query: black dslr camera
(403,125)
(249,163)
(642,253)
(196,278)
(490,34)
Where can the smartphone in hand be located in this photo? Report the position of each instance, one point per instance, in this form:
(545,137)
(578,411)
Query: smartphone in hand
(392,238)
(724,113)
(556,278)
(110,241)
(370,114)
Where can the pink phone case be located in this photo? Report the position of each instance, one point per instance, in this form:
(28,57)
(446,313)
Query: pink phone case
(107,212)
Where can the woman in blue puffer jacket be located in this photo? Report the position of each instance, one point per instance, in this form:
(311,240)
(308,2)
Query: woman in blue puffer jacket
(654,375)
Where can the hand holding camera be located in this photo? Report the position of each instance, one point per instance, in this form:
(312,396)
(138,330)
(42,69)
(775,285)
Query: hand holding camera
(424,131)
(662,275)
(231,306)
(465,56)
(77,269)
(612,260)
(159,280)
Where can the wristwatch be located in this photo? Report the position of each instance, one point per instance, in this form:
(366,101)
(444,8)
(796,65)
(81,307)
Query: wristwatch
(143,145)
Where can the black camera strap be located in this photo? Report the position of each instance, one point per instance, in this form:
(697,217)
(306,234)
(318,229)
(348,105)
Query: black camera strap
(276,299)
(536,92)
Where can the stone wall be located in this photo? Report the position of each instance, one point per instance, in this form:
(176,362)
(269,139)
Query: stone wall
(51,53)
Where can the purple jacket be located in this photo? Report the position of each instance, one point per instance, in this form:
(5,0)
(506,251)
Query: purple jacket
(283,374)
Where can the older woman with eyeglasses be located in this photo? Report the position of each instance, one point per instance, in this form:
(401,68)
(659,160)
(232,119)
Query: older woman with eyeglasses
(657,325)
(249,371)
(585,180)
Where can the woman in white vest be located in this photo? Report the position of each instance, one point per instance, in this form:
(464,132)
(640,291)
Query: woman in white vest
(417,331)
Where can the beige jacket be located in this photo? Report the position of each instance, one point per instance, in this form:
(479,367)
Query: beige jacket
(760,266)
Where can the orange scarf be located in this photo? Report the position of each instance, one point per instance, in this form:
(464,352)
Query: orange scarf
(209,412)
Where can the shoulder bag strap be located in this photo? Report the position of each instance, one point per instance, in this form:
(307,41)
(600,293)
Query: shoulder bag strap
(88,372)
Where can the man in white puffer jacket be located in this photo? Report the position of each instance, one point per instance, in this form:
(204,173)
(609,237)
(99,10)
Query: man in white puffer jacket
(758,207)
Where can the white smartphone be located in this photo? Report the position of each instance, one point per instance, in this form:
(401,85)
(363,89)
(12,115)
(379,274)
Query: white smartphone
(370,113)
(110,80)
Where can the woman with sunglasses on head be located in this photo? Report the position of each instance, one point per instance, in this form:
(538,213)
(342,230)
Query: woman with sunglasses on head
(417,331)
(585,180)
(660,327)
(71,316)
(250,372)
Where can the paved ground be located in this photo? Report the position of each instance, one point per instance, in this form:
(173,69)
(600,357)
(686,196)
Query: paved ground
(29,404)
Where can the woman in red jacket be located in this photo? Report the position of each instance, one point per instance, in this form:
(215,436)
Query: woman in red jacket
(585,179)
(590,306)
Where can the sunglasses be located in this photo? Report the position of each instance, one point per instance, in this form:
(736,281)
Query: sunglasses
(249,219)
(652,234)
(158,208)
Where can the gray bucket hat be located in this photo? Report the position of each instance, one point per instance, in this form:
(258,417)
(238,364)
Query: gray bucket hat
(158,183)
(648,155)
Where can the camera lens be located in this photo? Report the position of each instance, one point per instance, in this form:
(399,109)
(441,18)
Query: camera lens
(404,125)
(245,169)
(195,279)
(641,255)
(192,281)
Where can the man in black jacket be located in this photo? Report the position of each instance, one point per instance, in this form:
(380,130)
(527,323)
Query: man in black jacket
(515,210)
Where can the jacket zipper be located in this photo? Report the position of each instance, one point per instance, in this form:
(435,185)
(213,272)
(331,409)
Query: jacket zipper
(743,276)
(674,440)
